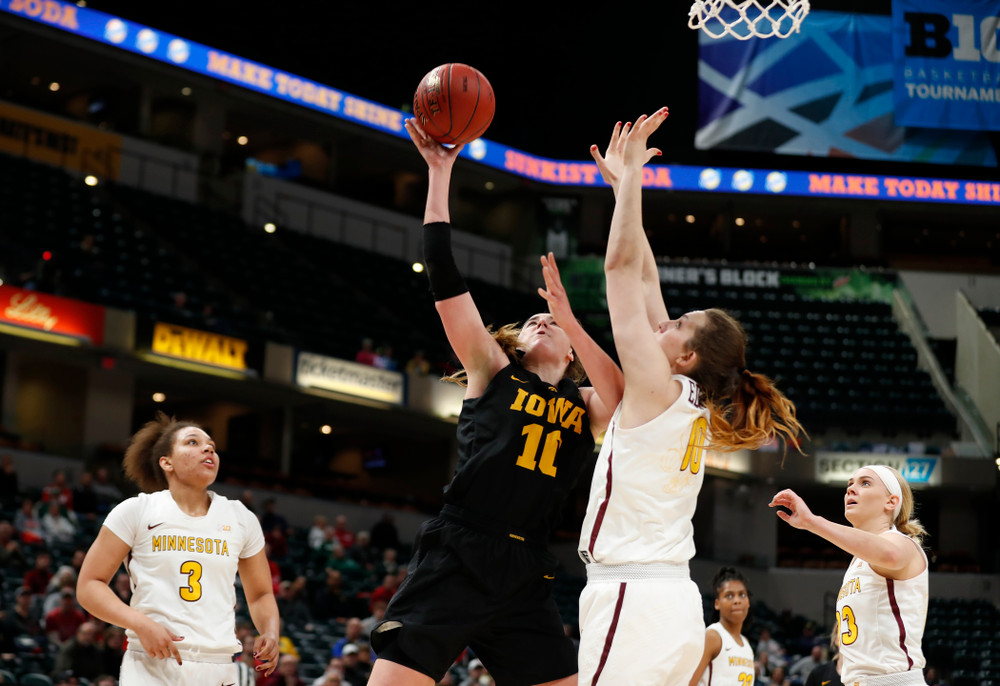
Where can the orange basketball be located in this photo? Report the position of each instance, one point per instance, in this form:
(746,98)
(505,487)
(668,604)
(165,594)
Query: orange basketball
(454,103)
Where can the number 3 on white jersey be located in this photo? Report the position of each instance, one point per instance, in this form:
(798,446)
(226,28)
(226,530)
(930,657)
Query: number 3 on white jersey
(192,591)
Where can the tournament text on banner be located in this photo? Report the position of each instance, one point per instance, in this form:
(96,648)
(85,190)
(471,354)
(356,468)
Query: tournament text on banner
(946,70)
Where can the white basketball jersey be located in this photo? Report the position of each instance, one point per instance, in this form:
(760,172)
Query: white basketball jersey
(733,666)
(645,486)
(183,568)
(881,622)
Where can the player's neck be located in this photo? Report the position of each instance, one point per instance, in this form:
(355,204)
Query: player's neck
(192,502)
(550,373)
(732,628)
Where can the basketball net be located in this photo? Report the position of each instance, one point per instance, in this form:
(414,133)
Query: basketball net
(745,19)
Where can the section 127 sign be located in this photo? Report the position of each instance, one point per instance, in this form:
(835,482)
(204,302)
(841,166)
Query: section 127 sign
(946,63)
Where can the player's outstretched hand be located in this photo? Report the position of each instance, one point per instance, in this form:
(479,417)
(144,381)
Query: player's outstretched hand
(265,651)
(157,640)
(635,152)
(554,293)
(612,162)
(800,516)
(434,153)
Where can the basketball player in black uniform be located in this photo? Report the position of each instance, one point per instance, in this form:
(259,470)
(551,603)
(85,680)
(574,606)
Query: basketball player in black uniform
(481,573)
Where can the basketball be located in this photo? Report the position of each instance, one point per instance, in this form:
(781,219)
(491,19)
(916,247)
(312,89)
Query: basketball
(454,103)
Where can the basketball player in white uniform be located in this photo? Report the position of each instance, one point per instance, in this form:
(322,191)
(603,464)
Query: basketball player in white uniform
(882,605)
(641,619)
(182,547)
(728,657)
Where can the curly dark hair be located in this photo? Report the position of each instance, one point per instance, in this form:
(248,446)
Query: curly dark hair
(150,443)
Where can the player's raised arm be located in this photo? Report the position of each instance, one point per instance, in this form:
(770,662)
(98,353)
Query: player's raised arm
(606,378)
(479,354)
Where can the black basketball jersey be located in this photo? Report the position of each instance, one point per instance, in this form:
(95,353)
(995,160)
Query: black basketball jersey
(521,445)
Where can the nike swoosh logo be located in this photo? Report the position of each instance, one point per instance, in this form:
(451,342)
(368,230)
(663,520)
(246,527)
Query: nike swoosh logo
(153,526)
(824,683)
(517,379)
(546,576)
(729,647)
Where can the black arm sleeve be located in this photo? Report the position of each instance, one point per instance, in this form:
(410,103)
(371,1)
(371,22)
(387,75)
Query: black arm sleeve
(446,281)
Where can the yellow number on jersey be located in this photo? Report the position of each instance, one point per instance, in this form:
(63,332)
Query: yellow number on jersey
(527,458)
(745,679)
(696,446)
(850,634)
(192,591)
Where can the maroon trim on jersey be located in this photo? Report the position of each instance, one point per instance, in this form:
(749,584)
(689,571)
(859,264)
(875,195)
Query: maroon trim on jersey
(611,634)
(890,586)
(709,674)
(602,510)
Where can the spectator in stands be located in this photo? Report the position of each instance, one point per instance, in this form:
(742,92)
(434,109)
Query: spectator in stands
(271,519)
(367,353)
(9,487)
(364,554)
(331,600)
(384,358)
(80,654)
(28,525)
(76,561)
(828,673)
(770,647)
(331,677)
(418,364)
(25,618)
(353,632)
(356,670)
(476,672)
(384,591)
(108,495)
(58,490)
(56,526)
(65,678)
(384,533)
(317,533)
(339,560)
(932,678)
(334,666)
(802,667)
(343,533)
(122,587)
(287,673)
(369,622)
(113,650)
(37,579)
(292,606)
(246,497)
(63,580)
(275,528)
(388,564)
(882,605)
(11,555)
(104,680)
(85,499)
(778,677)
(62,622)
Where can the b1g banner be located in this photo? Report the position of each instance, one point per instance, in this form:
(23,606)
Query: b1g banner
(825,91)
(946,63)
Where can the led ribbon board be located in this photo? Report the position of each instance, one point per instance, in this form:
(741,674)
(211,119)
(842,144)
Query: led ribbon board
(201,59)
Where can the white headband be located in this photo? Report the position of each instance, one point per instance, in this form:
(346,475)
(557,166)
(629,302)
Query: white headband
(891,483)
